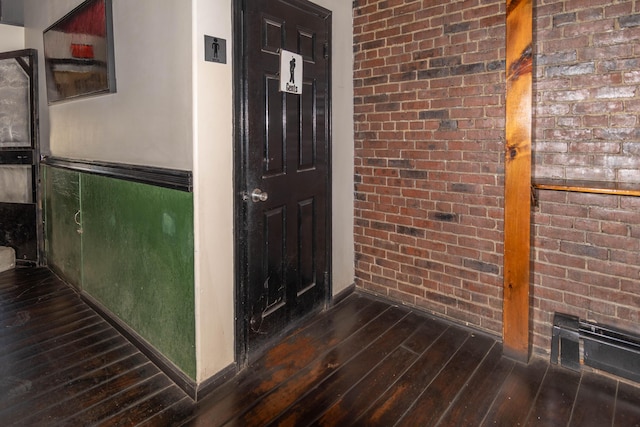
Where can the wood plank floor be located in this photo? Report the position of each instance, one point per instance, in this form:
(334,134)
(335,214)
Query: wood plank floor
(62,364)
(362,363)
(368,363)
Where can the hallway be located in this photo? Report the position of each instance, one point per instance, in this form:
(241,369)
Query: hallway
(362,363)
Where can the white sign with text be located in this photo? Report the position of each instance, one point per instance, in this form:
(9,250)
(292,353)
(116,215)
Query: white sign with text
(290,72)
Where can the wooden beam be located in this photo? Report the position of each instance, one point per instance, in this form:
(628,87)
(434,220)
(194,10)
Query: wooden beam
(517,214)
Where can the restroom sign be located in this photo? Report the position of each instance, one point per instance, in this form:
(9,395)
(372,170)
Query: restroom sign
(290,72)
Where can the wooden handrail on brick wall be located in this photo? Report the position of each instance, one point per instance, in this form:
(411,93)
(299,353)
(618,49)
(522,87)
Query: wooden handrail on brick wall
(581,186)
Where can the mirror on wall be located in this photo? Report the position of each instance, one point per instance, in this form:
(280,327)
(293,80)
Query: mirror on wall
(15,116)
(78,53)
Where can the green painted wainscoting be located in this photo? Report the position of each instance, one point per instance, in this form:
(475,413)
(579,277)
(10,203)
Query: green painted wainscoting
(134,254)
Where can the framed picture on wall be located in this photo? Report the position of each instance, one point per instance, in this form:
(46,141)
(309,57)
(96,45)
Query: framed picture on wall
(78,53)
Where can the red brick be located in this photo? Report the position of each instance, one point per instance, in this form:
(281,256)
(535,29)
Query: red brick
(460,163)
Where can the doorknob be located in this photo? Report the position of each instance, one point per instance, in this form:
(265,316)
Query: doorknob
(257,195)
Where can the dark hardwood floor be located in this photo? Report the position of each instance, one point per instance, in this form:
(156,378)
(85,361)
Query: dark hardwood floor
(367,363)
(62,364)
(362,363)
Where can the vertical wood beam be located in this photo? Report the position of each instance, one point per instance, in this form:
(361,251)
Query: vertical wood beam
(517,209)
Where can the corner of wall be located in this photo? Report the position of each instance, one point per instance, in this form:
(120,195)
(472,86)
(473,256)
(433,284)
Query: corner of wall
(213,204)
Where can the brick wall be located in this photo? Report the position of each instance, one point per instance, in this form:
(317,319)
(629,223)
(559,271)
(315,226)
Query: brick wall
(429,101)
(429,134)
(587,260)
(587,104)
(587,90)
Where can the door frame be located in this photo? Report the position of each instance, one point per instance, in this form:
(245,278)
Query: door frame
(240,103)
(12,156)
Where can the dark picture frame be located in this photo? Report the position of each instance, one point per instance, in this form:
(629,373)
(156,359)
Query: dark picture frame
(78,53)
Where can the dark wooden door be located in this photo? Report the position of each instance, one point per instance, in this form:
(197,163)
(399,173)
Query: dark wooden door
(285,236)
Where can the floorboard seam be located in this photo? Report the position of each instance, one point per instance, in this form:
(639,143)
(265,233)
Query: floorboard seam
(109,379)
(374,403)
(471,376)
(308,392)
(320,356)
(129,404)
(76,378)
(535,398)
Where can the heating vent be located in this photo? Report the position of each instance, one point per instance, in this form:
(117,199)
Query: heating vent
(603,347)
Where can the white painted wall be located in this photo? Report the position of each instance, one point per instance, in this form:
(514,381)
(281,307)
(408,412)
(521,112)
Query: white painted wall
(213,191)
(11,38)
(149,120)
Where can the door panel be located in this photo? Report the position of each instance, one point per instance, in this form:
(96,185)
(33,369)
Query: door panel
(308,142)
(274,147)
(285,154)
(307,246)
